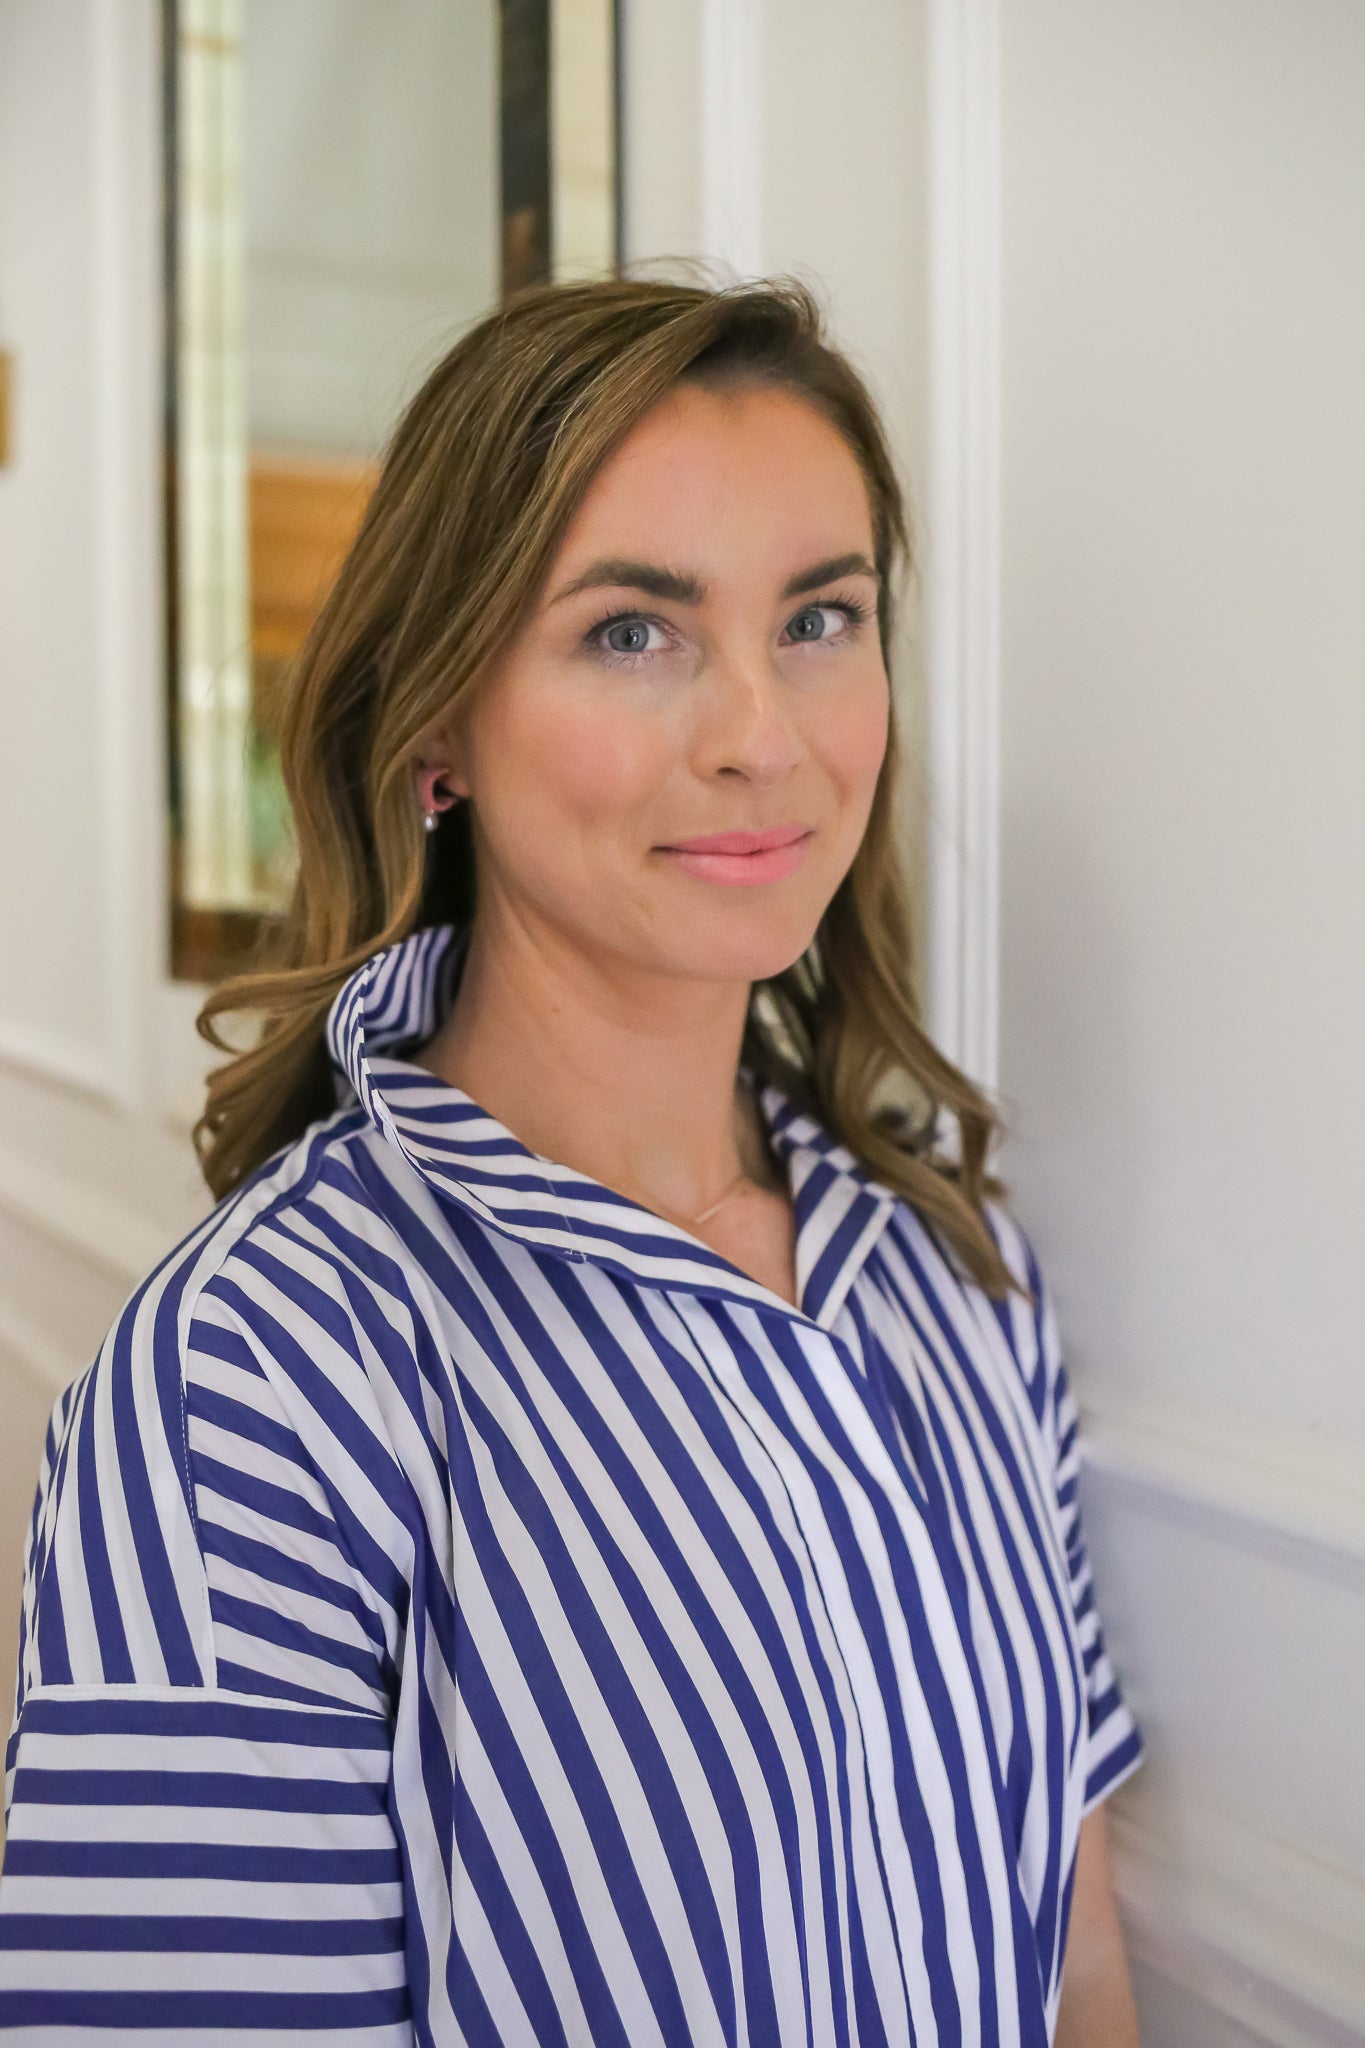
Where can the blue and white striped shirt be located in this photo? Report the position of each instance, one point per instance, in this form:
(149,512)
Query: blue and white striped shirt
(463,1608)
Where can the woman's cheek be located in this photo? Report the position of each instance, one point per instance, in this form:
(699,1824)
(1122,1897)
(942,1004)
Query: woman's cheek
(852,740)
(599,759)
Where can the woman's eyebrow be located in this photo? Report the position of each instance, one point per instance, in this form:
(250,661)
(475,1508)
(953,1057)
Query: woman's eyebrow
(616,572)
(829,572)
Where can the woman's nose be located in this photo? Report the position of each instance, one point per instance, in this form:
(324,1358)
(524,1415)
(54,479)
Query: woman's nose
(749,727)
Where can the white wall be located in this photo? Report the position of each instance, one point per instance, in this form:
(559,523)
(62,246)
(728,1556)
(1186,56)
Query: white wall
(1182,966)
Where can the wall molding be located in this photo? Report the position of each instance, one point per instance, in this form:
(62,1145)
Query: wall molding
(98,1229)
(1257,1930)
(119,65)
(1263,1494)
(963,513)
(83,1069)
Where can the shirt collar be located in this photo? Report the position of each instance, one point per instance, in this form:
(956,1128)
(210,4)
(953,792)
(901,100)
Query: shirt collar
(395,1001)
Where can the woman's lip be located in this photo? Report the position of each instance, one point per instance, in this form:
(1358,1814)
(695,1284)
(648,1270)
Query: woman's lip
(770,863)
(740,842)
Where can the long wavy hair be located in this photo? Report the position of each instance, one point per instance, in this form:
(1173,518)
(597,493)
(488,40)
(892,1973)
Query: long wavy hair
(483,474)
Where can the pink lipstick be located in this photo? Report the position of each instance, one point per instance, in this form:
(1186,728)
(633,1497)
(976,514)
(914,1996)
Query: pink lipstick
(733,858)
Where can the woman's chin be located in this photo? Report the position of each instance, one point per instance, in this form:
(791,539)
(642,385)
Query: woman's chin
(755,955)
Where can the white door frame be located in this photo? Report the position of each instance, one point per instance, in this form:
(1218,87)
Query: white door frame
(962,565)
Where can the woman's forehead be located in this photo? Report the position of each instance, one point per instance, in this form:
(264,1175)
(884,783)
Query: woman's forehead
(708,478)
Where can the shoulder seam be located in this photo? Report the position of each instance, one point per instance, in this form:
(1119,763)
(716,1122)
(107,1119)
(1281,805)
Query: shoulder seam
(249,1216)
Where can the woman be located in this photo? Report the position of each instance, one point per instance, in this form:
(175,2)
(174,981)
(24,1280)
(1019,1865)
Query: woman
(580,1546)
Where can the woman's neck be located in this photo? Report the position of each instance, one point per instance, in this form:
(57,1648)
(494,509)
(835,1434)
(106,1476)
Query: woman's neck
(627,1077)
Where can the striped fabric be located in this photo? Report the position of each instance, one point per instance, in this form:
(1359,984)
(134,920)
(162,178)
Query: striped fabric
(463,1608)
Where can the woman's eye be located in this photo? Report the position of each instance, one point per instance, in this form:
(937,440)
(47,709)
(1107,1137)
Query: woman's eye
(630,636)
(819,622)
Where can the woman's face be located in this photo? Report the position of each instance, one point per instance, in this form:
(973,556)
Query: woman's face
(702,666)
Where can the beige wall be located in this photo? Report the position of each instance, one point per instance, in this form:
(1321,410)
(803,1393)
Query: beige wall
(1182,995)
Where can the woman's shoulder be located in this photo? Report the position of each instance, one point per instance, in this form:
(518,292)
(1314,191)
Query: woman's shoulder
(268,1220)
(260,1255)
(1025,1318)
(242,1362)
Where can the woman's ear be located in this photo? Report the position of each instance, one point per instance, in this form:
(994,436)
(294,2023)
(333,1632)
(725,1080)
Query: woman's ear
(435,788)
(441,774)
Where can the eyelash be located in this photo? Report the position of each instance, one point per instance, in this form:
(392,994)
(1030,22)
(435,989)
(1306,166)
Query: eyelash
(852,608)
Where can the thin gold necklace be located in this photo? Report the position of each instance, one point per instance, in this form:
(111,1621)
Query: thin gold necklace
(677,1216)
(740,1176)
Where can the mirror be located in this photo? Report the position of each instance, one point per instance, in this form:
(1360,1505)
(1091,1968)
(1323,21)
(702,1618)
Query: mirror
(348,185)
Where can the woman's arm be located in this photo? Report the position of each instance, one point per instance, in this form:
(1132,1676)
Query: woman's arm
(200,1843)
(1097,2008)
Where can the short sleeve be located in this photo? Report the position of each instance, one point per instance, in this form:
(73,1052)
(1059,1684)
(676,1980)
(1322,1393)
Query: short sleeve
(200,1841)
(188,1864)
(1113,1741)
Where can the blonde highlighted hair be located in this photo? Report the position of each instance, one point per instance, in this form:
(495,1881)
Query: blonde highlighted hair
(481,478)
